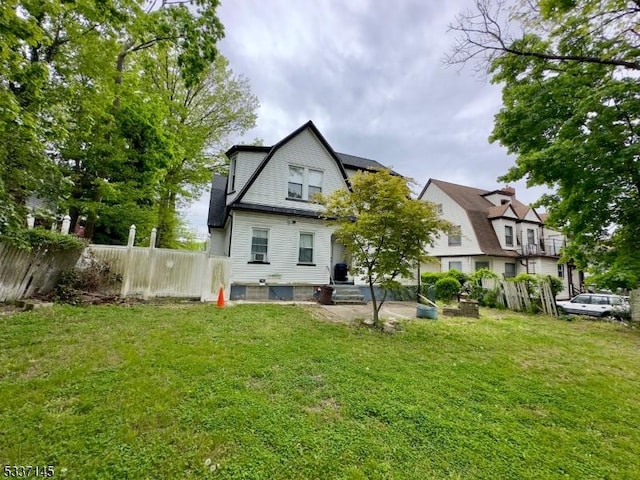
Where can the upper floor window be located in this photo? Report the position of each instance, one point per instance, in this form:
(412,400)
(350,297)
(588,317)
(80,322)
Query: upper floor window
(315,182)
(439,208)
(455,236)
(232,175)
(508,236)
(296,181)
(304,182)
(531,236)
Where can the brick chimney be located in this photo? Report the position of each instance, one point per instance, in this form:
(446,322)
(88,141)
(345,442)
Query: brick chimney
(509,191)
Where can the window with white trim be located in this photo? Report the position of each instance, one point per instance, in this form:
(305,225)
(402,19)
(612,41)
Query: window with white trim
(259,245)
(455,266)
(508,236)
(304,182)
(305,249)
(509,270)
(455,236)
(296,181)
(315,182)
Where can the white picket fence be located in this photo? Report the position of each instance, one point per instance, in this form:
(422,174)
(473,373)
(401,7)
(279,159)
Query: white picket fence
(149,272)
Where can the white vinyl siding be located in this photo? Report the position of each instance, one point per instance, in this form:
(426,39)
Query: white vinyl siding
(283,250)
(456,215)
(304,150)
(245,163)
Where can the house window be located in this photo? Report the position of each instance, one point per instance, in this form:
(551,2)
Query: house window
(508,236)
(560,270)
(259,245)
(304,183)
(455,266)
(439,209)
(480,265)
(315,182)
(455,236)
(509,270)
(296,180)
(232,172)
(305,250)
(531,236)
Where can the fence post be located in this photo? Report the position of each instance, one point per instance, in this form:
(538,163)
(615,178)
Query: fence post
(152,262)
(126,282)
(206,295)
(66,224)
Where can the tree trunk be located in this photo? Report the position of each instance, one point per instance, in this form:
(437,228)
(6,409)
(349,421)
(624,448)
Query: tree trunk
(374,303)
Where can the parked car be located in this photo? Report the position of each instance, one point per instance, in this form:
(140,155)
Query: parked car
(596,305)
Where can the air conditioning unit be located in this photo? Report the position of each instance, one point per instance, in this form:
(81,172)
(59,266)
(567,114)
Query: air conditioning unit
(258,257)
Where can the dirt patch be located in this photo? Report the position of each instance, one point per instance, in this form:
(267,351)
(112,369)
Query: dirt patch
(354,313)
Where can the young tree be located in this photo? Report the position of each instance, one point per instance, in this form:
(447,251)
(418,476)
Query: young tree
(384,229)
(571,107)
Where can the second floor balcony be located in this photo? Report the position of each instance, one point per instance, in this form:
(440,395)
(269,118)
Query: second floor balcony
(546,247)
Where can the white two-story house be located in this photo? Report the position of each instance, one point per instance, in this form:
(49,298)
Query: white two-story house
(261,216)
(493,230)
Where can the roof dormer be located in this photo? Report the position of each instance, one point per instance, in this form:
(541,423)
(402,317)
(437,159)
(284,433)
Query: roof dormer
(503,196)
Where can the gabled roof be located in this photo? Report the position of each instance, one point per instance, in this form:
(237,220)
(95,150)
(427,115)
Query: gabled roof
(272,151)
(218,210)
(481,211)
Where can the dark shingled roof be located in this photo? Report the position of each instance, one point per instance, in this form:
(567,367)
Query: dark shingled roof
(480,212)
(218,201)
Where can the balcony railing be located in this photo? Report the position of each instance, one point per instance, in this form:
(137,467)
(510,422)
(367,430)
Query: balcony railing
(547,247)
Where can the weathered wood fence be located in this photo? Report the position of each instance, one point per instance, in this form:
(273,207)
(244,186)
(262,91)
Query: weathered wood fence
(24,274)
(634,298)
(516,296)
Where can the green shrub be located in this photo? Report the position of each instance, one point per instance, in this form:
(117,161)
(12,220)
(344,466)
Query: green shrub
(40,239)
(430,278)
(447,288)
(461,277)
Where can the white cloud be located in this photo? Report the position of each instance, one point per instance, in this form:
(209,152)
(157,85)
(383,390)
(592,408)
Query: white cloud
(370,75)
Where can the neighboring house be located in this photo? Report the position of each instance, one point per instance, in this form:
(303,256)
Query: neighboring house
(261,216)
(492,229)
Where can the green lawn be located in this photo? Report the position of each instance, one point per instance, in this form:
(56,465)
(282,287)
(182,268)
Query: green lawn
(267,391)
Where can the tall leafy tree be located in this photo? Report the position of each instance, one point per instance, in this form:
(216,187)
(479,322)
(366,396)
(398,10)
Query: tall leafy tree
(203,115)
(72,111)
(571,115)
(383,228)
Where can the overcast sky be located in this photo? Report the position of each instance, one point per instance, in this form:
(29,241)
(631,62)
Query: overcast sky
(370,75)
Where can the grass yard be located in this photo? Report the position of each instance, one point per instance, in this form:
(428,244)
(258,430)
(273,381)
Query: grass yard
(268,391)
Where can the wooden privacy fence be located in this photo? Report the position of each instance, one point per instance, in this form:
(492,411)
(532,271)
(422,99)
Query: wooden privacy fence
(158,272)
(24,274)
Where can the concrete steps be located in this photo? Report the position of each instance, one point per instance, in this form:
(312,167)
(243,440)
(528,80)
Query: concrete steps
(347,295)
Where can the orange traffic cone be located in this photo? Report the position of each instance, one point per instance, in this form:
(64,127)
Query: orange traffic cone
(221,297)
